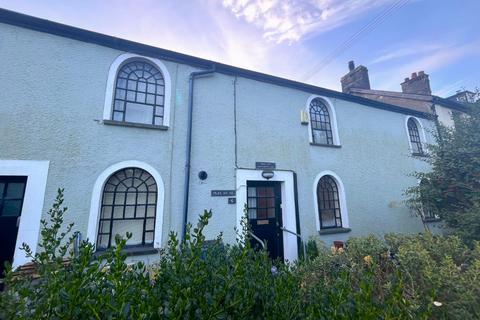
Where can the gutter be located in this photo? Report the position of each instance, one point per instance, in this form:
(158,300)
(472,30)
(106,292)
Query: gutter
(188,150)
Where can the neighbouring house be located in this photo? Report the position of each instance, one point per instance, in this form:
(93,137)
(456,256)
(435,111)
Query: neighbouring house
(144,139)
(416,94)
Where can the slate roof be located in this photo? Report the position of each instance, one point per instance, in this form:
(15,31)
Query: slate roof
(416,102)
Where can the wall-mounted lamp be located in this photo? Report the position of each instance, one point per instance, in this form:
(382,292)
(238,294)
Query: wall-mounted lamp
(268,174)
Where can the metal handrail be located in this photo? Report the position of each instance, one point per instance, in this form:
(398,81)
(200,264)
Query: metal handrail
(298,236)
(258,239)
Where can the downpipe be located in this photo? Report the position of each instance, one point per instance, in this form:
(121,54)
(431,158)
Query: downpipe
(188,149)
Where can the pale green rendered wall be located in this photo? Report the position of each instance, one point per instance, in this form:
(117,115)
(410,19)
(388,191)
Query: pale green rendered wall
(52,98)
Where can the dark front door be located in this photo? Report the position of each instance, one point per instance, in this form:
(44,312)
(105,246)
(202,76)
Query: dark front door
(265,215)
(12,191)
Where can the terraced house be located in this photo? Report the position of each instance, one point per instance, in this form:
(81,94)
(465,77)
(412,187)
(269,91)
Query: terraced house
(144,139)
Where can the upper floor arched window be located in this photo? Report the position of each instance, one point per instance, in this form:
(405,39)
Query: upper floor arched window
(328,198)
(139,94)
(320,122)
(414,136)
(129,203)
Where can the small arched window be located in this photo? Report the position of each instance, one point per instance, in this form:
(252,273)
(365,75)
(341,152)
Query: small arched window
(129,204)
(414,135)
(328,203)
(320,122)
(139,94)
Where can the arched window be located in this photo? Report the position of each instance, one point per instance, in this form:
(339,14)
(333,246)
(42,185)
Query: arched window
(414,135)
(328,203)
(129,204)
(139,94)
(320,122)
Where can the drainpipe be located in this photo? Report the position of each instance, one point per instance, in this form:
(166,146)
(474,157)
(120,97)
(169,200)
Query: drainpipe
(188,150)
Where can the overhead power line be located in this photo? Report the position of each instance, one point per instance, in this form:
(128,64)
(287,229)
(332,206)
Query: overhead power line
(337,51)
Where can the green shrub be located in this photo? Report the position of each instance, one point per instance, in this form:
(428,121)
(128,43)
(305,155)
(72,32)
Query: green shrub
(200,279)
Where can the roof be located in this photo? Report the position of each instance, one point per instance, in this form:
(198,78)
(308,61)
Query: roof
(416,102)
(42,25)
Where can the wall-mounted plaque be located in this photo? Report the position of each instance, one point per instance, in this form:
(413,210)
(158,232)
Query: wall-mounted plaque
(232,200)
(223,193)
(265,165)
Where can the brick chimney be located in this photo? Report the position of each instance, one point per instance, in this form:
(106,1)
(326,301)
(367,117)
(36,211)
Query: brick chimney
(418,84)
(356,78)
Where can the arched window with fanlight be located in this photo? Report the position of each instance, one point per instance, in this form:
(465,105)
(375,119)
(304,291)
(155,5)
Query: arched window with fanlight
(320,122)
(414,136)
(328,199)
(129,202)
(139,95)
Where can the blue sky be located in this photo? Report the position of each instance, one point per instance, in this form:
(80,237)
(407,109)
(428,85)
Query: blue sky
(294,39)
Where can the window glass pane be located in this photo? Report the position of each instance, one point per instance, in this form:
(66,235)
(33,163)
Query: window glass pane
(121,227)
(151,211)
(328,218)
(106,212)
(138,113)
(129,212)
(2,186)
(12,208)
(102,241)
(142,198)
(121,83)
(158,121)
(252,213)
(118,116)
(108,198)
(15,190)
(140,211)
(119,198)
(149,237)
(320,136)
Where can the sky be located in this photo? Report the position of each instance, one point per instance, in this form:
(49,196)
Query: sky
(304,40)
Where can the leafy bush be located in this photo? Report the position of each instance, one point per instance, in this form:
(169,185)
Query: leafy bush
(451,189)
(398,278)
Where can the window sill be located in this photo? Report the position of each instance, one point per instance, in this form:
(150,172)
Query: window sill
(325,145)
(134,125)
(133,251)
(334,230)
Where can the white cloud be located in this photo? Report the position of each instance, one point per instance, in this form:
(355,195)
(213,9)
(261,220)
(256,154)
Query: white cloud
(431,62)
(290,20)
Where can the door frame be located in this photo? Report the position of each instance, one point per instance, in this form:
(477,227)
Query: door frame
(33,200)
(289,219)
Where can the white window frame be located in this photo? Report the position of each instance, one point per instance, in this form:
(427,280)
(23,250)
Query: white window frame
(341,195)
(95,206)
(112,77)
(333,119)
(423,137)
(33,200)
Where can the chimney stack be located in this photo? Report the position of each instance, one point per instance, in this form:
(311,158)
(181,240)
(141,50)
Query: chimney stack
(356,78)
(417,84)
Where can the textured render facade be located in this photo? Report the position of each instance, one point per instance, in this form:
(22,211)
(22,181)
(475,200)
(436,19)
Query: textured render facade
(54,121)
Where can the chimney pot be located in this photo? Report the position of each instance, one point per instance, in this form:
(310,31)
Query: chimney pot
(356,78)
(417,84)
(351,65)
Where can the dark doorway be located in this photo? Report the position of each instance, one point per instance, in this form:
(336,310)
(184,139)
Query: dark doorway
(265,215)
(12,191)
